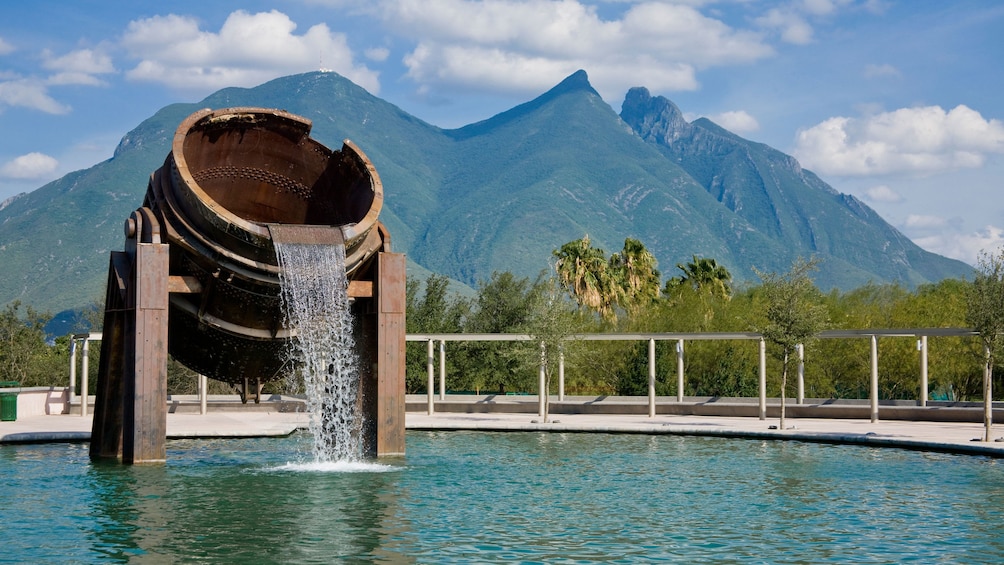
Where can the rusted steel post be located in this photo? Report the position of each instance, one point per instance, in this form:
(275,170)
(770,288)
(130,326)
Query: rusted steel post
(391,353)
(130,415)
(144,432)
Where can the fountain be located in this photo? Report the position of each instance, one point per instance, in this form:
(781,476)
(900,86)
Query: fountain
(315,302)
(200,279)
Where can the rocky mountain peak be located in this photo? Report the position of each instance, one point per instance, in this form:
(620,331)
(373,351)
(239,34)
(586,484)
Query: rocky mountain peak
(655,118)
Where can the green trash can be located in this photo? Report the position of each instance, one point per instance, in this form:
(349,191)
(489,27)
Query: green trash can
(8,401)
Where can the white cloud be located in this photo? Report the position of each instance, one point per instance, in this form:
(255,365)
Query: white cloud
(882,193)
(247,50)
(737,121)
(909,140)
(5,47)
(965,247)
(84,61)
(792,27)
(29,93)
(30,166)
(920,221)
(378,54)
(526,46)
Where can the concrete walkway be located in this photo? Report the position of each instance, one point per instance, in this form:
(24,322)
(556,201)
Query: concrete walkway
(955,437)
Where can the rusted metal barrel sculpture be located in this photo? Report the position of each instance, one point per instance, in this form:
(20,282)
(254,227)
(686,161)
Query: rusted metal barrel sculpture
(234,181)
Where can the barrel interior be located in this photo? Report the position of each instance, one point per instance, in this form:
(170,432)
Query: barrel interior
(265,169)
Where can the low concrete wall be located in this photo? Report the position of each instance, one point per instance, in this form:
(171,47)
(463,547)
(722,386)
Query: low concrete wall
(189,404)
(705,406)
(42,401)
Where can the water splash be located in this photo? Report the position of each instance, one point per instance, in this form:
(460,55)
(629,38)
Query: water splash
(315,302)
(335,467)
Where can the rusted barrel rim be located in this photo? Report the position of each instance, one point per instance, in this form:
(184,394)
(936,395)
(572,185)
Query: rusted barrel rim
(352,233)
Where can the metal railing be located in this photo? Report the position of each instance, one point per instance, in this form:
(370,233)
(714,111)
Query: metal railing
(681,338)
(82,342)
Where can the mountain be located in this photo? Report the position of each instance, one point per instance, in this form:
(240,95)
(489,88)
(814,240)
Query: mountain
(498,194)
(790,205)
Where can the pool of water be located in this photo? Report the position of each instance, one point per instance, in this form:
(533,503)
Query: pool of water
(462,497)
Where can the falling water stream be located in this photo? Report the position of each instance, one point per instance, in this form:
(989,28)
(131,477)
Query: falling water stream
(316,305)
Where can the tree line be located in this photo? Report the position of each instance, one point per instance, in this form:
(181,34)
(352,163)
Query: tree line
(587,291)
(623,292)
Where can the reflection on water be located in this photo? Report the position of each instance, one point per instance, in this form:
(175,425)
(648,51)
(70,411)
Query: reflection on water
(464,497)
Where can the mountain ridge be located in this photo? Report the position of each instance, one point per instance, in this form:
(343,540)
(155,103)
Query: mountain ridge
(499,194)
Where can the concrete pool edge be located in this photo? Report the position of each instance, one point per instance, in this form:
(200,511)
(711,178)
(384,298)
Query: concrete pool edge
(952,437)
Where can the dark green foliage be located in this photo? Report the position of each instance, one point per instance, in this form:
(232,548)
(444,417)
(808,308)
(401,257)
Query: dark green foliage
(24,355)
(504,305)
(437,311)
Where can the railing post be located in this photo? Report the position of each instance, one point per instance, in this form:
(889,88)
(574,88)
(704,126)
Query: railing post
(203,394)
(873,393)
(922,346)
(651,378)
(763,379)
(561,376)
(542,384)
(800,348)
(73,368)
(679,371)
(988,405)
(429,359)
(442,369)
(84,371)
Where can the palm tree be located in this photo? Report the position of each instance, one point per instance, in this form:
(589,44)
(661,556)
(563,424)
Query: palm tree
(583,273)
(636,274)
(704,275)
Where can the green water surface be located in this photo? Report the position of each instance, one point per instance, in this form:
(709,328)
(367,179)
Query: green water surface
(466,497)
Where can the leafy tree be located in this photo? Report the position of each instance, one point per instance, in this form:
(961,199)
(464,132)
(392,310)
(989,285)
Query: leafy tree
(629,279)
(633,272)
(985,313)
(704,283)
(583,273)
(24,354)
(704,275)
(794,314)
(434,312)
(505,304)
(551,322)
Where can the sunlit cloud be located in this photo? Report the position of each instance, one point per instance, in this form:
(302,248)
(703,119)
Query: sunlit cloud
(965,247)
(527,46)
(738,121)
(909,140)
(30,166)
(882,193)
(29,93)
(247,50)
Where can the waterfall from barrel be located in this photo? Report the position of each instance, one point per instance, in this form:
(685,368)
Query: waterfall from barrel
(315,302)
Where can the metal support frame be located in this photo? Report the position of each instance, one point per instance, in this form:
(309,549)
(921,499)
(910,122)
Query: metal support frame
(130,415)
(390,350)
(130,411)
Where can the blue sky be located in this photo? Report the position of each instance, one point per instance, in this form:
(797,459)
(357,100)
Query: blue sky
(898,102)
